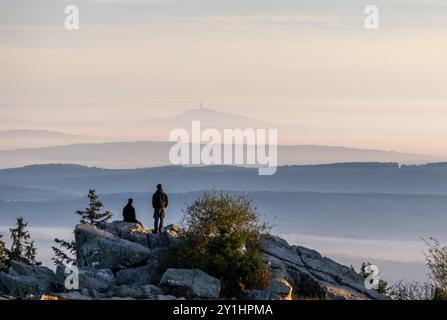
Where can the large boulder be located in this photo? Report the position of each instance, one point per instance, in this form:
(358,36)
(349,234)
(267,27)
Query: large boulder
(128,230)
(137,276)
(74,295)
(91,279)
(101,249)
(190,283)
(168,238)
(40,272)
(23,280)
(136,292)
(278,289)
(312,275)
(134,232)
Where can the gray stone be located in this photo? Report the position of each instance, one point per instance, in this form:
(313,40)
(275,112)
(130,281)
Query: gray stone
(190,283)
(40,272)
(136,276)
(135,292)
(167,239)
(24,280)
(280,249)
(103,250)
(89,278)
(309,274)
(276,290)
(128,292)
(151,290)
(130,231)
(163,297)
(21,286)
(74,295)
(118,298)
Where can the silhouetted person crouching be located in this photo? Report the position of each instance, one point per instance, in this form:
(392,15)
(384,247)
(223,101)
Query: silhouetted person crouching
(129,213)
(159,203)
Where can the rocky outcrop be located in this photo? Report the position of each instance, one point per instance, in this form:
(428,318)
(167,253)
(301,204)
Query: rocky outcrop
(90,279)
(147,291)
(99,248)
(23,280)
(277,289)
(137,276)
(310,274)
(124,261)
(190,283)
(133,232)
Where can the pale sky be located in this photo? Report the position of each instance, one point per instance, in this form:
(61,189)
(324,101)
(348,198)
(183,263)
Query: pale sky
(309,64)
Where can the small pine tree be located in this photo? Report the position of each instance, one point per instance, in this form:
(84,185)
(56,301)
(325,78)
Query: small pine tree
(223,238)
(92,214)
(3,255)
(22,248)
(65,251)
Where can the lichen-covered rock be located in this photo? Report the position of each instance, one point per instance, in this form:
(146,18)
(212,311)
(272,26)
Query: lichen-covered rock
(21,269)
(168,238)
(278,289)
(137,276)
(23,280)
(164,297)
(99,280)
(312,275)
(136,292)
(75,295)
(190,283)
(127,230)
(104,250)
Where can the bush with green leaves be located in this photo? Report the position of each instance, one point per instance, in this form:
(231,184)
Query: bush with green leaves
(65,251)
(222,236)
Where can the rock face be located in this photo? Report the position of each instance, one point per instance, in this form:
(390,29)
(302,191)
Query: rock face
(190,283)
(128,231)
(136,276)
(99,280)
(124,261)
(277,289)
(309,274)
(99,248)
(23,280)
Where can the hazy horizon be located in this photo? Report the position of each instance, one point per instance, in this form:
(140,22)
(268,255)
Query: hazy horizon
(312,69)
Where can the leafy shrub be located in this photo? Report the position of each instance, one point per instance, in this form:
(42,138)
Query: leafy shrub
(222,236)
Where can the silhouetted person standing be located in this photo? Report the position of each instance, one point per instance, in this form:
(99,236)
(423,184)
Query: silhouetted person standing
(159,203)
(129,213)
